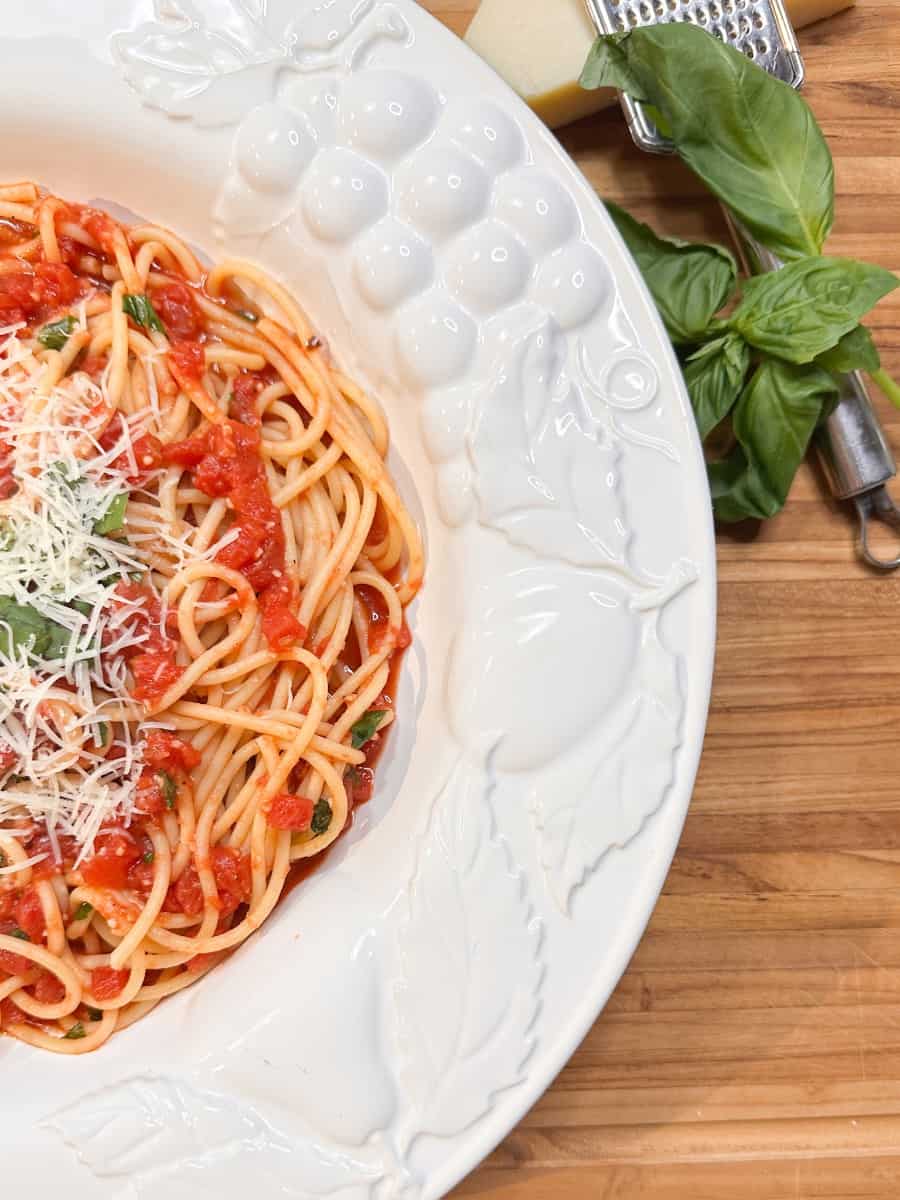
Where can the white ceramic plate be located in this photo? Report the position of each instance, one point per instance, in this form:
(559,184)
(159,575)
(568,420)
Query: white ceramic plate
(406,1006)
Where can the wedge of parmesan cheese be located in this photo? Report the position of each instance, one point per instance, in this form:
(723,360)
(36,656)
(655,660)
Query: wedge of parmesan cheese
(539,47)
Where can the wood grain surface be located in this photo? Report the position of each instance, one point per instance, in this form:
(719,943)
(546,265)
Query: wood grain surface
(753,1047)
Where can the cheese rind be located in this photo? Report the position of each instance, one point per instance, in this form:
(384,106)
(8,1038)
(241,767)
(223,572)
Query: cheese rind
(539,48)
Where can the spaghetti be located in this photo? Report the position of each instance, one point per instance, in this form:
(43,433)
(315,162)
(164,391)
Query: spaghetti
(204,565)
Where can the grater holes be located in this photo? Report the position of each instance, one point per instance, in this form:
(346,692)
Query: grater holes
(759,21)
(673,6)
(660,8)
(749,50)
(646,12)
(762,47)
(731,30)
(743,26)
(702,15)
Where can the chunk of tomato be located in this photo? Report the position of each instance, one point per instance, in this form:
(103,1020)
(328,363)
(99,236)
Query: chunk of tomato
(290,812)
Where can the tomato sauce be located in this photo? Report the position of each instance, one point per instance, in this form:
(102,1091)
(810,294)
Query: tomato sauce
(33,294)
(225,461)
(152,662)
(107,982)
(119,854)
(231,870)
(177,309)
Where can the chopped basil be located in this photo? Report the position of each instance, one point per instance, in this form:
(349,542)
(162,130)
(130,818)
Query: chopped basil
(4,861)
(102,735)
(148,856)
(55,335)
(20,934)
(114,517)
(169,788)
(76,1032)
(365,727)
(321,817)
(142,312)
(24,628)
(94,1014)
(81,606)
(83,911)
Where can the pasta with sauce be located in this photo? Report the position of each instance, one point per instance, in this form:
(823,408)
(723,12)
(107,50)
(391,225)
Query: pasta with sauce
(204,565)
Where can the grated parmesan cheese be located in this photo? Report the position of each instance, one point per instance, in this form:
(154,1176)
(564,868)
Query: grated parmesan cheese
(55,714)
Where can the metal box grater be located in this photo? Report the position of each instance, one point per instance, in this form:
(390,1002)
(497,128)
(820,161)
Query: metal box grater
(761,29)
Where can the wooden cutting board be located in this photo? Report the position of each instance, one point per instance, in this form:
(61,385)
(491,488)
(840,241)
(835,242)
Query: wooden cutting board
(753,1047)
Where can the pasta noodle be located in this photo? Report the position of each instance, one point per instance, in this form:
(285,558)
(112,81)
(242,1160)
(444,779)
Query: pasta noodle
(204,566)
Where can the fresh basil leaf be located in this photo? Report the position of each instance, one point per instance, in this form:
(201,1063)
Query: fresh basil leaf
(168,789)
(148,856)
(24,628)
(365,727)
(773,422)
(114,517)
(58,639)
(55,335)
(856,351)
(321,818)
(751,138)
(94,1014)
(689,283)
(607,65)
(142,312)
(75,1032)
(20,934)
(83,911)
(804,309)
(714,377)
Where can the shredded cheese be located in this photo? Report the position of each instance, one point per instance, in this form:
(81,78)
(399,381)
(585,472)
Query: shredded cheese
(70,731)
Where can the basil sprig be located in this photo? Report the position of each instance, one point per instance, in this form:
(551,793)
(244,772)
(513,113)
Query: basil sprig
(759,357)
(751,139)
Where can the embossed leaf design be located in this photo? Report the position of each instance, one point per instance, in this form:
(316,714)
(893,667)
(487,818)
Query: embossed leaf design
(471,966)
(210,61)
(619,775)
(199,1143)
(547,474)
